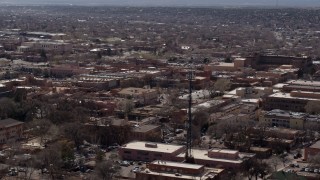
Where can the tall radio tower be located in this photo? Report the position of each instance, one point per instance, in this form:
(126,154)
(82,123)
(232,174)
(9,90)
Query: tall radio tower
(189,158)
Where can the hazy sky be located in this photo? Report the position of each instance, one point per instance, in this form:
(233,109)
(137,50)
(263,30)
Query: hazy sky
(300,3)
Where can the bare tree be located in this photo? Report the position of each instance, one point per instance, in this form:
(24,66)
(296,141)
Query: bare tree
(40,128)
(254,168)
(126,106)
(222,85)
(313,107)
(275,161)
(7,107)
(106,170)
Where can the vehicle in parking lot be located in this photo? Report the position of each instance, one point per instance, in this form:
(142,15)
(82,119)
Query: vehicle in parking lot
(125,163)
(135,169)
(178,131)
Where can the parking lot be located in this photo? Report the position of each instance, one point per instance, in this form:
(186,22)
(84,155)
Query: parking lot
(128,170)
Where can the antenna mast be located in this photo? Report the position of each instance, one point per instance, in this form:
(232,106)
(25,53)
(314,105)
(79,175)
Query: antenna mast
(189,157)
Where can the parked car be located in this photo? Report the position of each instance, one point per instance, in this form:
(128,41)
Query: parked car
(125,163)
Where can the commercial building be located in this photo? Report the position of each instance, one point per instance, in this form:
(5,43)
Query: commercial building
(168,170)
(50,46)
(267,61)
(10,130)
(145,132)
(302,85)
(219,158)
(293,101)
(143,96)
(281,118)
(313,150)
(146,151)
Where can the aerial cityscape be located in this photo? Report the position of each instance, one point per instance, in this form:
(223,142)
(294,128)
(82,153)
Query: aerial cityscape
(101,92)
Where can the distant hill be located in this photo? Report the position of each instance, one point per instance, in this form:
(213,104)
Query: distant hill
(298,3)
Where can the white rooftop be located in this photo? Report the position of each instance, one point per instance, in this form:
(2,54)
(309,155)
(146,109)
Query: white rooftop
(203,155)
(163,148)
(177,164)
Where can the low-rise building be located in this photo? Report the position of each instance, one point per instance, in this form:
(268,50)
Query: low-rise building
(52,46)
(293,101)
(311,151)
(302,85)
(145,132)
(10,130)
(147,151)
(143,96)
(219,158)
(281,118)
(168,170)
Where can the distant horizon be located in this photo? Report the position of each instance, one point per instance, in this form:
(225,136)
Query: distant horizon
(169,3)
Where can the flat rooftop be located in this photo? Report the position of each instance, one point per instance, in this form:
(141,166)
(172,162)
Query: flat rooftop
(167,175)
(145,128)
(9,122)
(304,83)
(162,148)
(177,164)
(283,113)
(225,151)
(288,96)
(316,145)
(131,91)
(203,155)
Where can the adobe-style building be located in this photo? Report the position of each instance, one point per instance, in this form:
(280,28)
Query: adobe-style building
(143,96)
(281,118)
(147,151)
(144,132)
(219,158)
(263,62)
(168,170)
(311,151)
(293,101)
(10,130)
(302,85)
(51,46)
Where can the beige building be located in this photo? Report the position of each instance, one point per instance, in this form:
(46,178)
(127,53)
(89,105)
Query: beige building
(147,151)
(50,46)
(145,132)
(10,130)
(143,96)
(221,158)
(238,64)
(168,170)
(280,118)
(293,101)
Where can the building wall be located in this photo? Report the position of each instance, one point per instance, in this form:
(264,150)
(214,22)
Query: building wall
(10,134)
(309,152)
(143,136)
(49,46)
(138,155)
(158,167)
(218,164)
(145,176)
(278,121)
(292,104)
(223,155)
